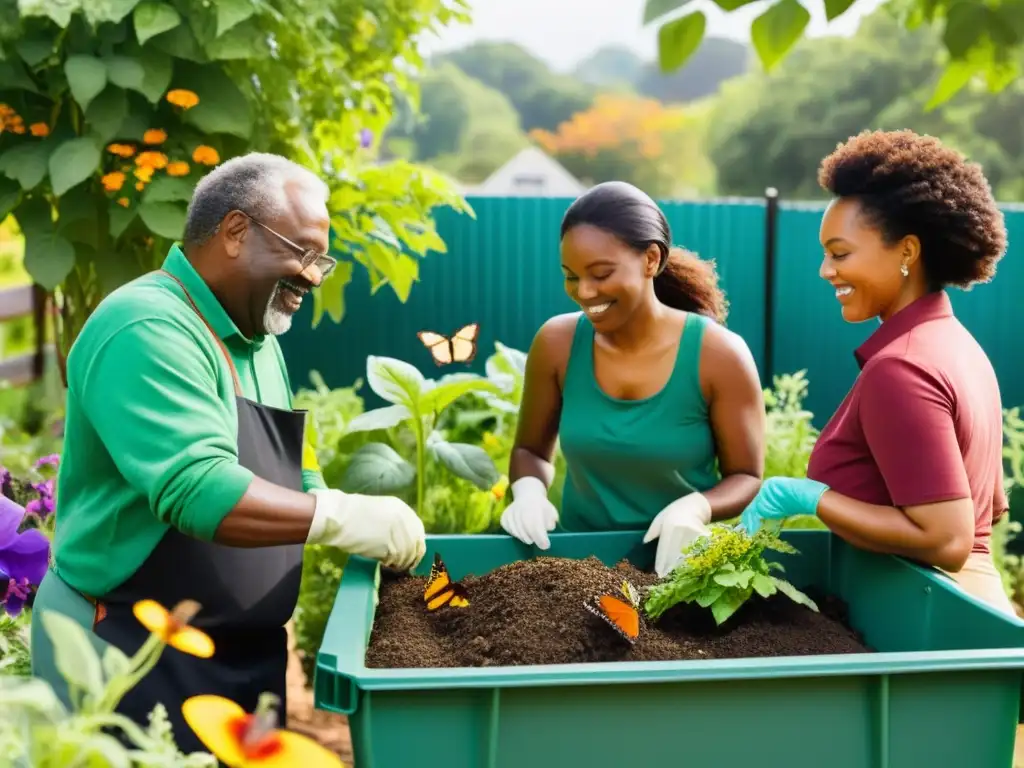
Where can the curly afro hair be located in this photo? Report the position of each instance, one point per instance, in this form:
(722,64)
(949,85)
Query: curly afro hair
(908,184)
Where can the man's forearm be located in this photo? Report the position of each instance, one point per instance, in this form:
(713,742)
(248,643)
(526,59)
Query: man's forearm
(267,515)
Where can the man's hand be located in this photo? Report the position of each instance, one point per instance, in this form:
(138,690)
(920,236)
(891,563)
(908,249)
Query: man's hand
(383,528)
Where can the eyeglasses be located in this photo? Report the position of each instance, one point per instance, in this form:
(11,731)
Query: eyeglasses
(324,263)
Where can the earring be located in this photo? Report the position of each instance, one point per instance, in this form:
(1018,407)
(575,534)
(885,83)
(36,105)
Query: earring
(903,270)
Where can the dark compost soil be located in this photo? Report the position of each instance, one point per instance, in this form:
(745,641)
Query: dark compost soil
(531,612)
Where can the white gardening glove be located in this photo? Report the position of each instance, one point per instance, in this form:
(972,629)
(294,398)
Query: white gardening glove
(383,528)
(676,527)
(530,515)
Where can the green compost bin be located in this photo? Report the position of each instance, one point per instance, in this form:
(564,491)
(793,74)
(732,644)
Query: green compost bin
(943,689)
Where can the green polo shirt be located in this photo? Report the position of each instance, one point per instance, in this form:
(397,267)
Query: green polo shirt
(151,425)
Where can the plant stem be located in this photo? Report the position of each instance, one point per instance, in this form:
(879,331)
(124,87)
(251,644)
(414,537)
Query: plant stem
(421,462)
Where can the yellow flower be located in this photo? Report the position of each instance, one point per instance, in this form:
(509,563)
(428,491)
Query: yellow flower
(113,181)
(173,628)
(241,740)
(183,98)
(121,150)
(177,168)
(154,136)
(140,185)
(500,488)
(151,159)
(205,155)
(5,111)
(39,129)
(144,173)
(123,202)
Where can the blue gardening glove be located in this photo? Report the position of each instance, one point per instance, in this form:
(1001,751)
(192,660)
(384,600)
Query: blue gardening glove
(782,497)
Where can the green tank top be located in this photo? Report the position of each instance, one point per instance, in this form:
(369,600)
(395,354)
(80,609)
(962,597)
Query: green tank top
(627,459)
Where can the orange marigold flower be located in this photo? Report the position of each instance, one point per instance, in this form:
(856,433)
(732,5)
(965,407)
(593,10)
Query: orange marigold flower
(5,110)
(39,129)
(121,150)
(241,740)
(18,128)
(205,155)
(123,202)
(177,168)
(151,159)
(180,97)
(173,627)
(154,136)
(500,488)
(113,181)
(140,185)
(144,173)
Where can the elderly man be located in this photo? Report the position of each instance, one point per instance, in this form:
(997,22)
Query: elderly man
(183,475)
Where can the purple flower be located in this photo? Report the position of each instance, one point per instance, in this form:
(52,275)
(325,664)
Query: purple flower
(53,460)
(24,557)
(42,506)
(365,138)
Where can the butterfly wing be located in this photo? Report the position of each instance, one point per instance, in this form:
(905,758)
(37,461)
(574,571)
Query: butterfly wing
(464,343)
(441,590)
(619,615)
(440,346)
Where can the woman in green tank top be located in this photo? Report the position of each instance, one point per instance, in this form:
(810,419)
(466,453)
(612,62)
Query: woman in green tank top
(657,407)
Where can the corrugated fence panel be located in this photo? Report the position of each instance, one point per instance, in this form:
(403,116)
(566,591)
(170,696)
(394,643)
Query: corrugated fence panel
(502,270)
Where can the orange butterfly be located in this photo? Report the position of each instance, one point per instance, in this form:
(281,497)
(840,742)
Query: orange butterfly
(622,615)
(441,590)
(460,348)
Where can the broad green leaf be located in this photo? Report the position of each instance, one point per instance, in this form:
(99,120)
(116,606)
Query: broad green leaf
(222,108)
(115,662)
(764,585)
(729,578)
(655,9)
(87,77)
(955,76)
(329,298)
(74,655)
(836,8)
(169,189)
(10,194)
(232,12)
(14,76)
(795,594)
(105,750)
(152,18)
(120,218)
(164,219)
(470,462)
(966,24)
(245,41)
(729,603)
(710,595)
(180,43)
(76,216)
(59,11)
(449,390)
(49,257)
(110,11)
(376,469)
(679,39)
(26,163)
(159,68)
(777,30)
(125,72)
(73,162)
(396,381)
(379,418)
(107,112)
(34,49)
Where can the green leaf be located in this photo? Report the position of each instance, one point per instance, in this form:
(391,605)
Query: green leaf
(159,68)
(764,585)
(728,604)
(111,11)
(103,749)
(451,388)
(87,77)
(396,381)
(776,30)
(232,12)
(329,298)
(34,50)
(795,594)
(125,72)
(59,11)
(377,469)
(245,41)
(73,162)
(164,219)
(26,163)
(729,578)
(107,112)
(152,18)
(379,418)
(10,194)
(222,108)
(74,654)
(115,662)
(120,218)
(14,76)
(470,462)
(169,189)
(76,216)
(679,39)
(966,23)
(655,9)
(181,44)
(49,257)
(955,76)
(710,595)
(836,8)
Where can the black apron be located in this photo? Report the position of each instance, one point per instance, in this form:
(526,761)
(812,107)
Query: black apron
(247,594)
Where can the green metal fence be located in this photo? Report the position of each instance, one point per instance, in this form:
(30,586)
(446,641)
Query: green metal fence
(502,270)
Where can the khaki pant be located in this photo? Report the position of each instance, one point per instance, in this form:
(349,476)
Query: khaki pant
(980,578)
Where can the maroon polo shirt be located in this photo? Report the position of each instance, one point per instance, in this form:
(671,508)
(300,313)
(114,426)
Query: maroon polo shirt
(923,422)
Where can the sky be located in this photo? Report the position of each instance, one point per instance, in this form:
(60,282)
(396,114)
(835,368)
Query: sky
(563,32)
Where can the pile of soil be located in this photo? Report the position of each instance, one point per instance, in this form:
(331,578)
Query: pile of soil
(531,612)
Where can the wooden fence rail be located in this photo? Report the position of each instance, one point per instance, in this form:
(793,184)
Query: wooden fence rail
(16,303)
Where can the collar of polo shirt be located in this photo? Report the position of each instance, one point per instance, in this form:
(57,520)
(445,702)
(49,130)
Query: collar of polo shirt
(931,306)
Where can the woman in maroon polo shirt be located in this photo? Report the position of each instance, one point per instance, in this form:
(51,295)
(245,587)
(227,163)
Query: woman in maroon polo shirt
(911,462)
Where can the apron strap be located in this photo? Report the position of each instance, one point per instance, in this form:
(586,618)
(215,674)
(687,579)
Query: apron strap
(220,342)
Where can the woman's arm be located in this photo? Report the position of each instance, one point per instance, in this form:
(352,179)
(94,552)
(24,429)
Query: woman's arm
(906,412)
(541,406)
(736,405)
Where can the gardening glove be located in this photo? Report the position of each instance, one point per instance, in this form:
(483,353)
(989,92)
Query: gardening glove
(782,497)
(383,528)
(676,527)
(530,515)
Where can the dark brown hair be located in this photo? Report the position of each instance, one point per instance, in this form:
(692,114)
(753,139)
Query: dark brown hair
(684,281)
(907,184)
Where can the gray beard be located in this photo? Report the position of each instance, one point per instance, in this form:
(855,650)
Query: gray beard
(276,320)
